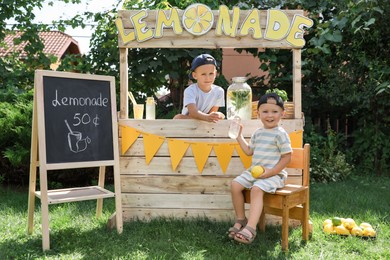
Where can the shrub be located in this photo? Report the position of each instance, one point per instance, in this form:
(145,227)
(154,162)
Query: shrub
(328,163)
(15,135)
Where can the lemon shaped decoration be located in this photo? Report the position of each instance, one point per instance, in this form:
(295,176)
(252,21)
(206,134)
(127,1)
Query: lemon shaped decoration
(198,19)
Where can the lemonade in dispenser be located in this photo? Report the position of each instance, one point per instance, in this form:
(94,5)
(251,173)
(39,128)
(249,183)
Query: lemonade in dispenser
(239,99)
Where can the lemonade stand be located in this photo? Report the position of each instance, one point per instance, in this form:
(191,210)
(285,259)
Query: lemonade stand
(183,168)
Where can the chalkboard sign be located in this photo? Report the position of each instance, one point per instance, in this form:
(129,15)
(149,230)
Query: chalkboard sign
(77,115)
(74,126)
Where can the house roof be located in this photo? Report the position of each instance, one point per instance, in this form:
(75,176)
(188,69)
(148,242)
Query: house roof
(56,43)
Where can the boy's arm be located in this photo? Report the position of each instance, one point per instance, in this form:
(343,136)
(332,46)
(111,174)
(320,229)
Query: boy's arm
(193,112)
(243,143)
(284,160)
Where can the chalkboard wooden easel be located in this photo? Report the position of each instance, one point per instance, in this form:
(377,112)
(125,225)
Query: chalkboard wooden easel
(74,126)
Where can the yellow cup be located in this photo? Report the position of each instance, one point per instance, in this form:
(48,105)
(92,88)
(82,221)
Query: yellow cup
(138,110)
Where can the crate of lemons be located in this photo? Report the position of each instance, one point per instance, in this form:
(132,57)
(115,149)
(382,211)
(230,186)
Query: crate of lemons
(347,226)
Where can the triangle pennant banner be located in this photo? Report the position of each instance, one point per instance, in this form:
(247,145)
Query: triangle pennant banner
(296,139)
(201,153)
(129,135)
(245,159)
(151,145)
(224,152)
(201,150)
(177,149)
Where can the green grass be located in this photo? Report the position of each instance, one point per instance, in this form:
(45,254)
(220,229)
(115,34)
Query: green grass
(77,234)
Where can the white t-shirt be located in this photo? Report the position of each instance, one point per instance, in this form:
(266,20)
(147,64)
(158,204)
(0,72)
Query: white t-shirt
(203,101)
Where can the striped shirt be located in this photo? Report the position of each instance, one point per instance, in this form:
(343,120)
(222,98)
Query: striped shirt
(268,146)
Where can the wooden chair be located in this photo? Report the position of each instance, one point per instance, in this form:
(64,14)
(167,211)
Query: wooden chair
(292,201)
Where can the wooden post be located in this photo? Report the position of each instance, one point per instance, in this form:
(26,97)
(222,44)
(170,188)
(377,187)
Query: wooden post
(124,83)
(99,202)
(33,168)
(297,83)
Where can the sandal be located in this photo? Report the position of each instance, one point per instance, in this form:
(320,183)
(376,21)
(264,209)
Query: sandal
(233,230)
(246,238)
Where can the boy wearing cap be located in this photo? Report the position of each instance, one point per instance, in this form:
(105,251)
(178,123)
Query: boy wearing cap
(270,148)
(202,99)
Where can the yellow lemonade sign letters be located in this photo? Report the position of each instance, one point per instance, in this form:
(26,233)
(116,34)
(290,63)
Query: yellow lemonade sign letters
(198,19)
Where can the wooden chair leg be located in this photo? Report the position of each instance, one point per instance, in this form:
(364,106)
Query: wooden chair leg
(305,222)
(285,217)
(262,221)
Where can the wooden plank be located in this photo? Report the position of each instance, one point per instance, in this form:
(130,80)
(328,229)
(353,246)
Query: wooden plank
(176,184)
(187,166)
(124,87)
(297,83)
(192,128)
(209,41)
(152,14)
(76,194)
(191,201)
(145,214)
(137,149)
(182,184)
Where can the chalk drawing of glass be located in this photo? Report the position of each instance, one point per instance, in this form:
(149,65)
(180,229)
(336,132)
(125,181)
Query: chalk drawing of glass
(75,140)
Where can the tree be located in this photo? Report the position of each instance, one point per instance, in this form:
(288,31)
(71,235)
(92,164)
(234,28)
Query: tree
(16,86)
(346,75)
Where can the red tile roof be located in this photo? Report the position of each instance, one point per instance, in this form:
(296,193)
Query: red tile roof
(56,43)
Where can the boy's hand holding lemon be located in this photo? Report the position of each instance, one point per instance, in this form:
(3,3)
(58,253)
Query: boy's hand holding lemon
(257,171)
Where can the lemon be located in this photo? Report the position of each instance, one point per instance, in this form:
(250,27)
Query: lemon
(357,231)
(369,232)
(198,19)
(326,222)
(329,229)
(221,115)
(341,230)
(336,221)
(365,225)
(257,171)
(349,223)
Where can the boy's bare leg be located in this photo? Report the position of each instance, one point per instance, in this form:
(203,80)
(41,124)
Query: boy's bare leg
(238,202)
(255,209)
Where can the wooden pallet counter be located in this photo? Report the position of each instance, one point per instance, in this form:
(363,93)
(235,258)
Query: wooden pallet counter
(155,190)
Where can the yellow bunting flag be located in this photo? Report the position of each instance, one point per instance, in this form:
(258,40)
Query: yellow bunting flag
(151,145)
(245,159)
(177,149)
(224,152)
(296,139)
(201,153)
(129,135)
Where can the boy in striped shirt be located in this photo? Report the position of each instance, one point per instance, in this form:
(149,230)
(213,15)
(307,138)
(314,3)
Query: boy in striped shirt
(270,148)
